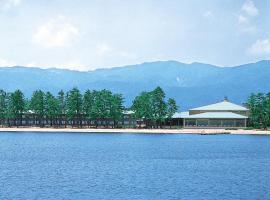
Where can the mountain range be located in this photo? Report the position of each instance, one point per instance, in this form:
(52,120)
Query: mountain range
(191,85)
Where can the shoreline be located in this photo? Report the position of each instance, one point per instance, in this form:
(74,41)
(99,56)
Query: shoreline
(143,131)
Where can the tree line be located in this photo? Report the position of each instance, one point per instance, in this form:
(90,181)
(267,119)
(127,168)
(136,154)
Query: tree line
(259,105)
(153,108)
(74,108)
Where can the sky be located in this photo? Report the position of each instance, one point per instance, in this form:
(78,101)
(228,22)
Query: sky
(86,35)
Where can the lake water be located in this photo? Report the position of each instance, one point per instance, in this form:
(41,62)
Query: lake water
(133,166)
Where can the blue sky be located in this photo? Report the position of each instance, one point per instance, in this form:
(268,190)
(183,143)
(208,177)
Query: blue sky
(85,35)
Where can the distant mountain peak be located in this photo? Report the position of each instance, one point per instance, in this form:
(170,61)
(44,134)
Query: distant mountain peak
(190,84)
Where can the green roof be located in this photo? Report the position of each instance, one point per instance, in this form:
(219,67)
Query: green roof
(222,106)
(216,115)
(128,112)
(209,115)
(180,115)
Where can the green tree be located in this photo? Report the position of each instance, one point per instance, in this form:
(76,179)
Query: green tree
(74,106)
(16,106)
(158,105)
(52,107)
(267,108)
(3,106)
(103,105)
(37,106)
(259,105)
(62,106)
(251,103)
(95,112)
(152,108)
(88,105)
(171,109)
(142,107)
(116,108)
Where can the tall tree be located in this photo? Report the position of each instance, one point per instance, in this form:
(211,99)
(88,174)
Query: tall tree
(37,105)
(171,109)
(116,108)
(62,104)
(74,105)
(267,109)
(88,104)
(142,107)
(52,107)
(152,107)
(259,105)
(251,103)
(3,106)
(158,105)
(103,105)
(17,106)
(95,110)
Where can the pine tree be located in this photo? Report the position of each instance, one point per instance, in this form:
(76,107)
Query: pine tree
(74,106)
(62,107)
(116,108)
(37,106)
(171,109)
(88,103)
(158,105)
(3,106)
(16,106)
(52,107)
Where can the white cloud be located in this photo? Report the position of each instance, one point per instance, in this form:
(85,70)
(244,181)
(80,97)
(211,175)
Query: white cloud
(260,47)
(208,15)
(8,4)
(249,8)
(103,49)
(243,20)
(6,63)
(245,26)
(57,32)
(247,13)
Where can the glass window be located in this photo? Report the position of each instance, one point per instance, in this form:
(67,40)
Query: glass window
(215,122)
(190,122)
(240,122)
(202,122)
(228,122)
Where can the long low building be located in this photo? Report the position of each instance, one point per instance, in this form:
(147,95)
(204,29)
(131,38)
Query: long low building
(221,114)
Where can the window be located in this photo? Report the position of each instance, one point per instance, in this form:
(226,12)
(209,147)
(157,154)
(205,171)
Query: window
(215,122)
(190,122)
(202,122)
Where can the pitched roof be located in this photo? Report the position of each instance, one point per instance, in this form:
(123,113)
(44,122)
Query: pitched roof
(224,105)
(216,115)
(128,112)
(180,115)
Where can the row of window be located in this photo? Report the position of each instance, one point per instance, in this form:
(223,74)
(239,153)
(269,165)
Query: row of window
(215,122)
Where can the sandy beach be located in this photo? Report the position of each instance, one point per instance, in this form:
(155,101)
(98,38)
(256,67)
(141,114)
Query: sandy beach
(158,131)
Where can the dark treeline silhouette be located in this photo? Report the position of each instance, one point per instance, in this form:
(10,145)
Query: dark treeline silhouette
(90,109)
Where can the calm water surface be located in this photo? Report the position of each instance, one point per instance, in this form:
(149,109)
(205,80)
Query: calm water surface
(133,166)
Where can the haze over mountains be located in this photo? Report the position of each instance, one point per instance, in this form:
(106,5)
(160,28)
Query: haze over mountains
(191,85)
